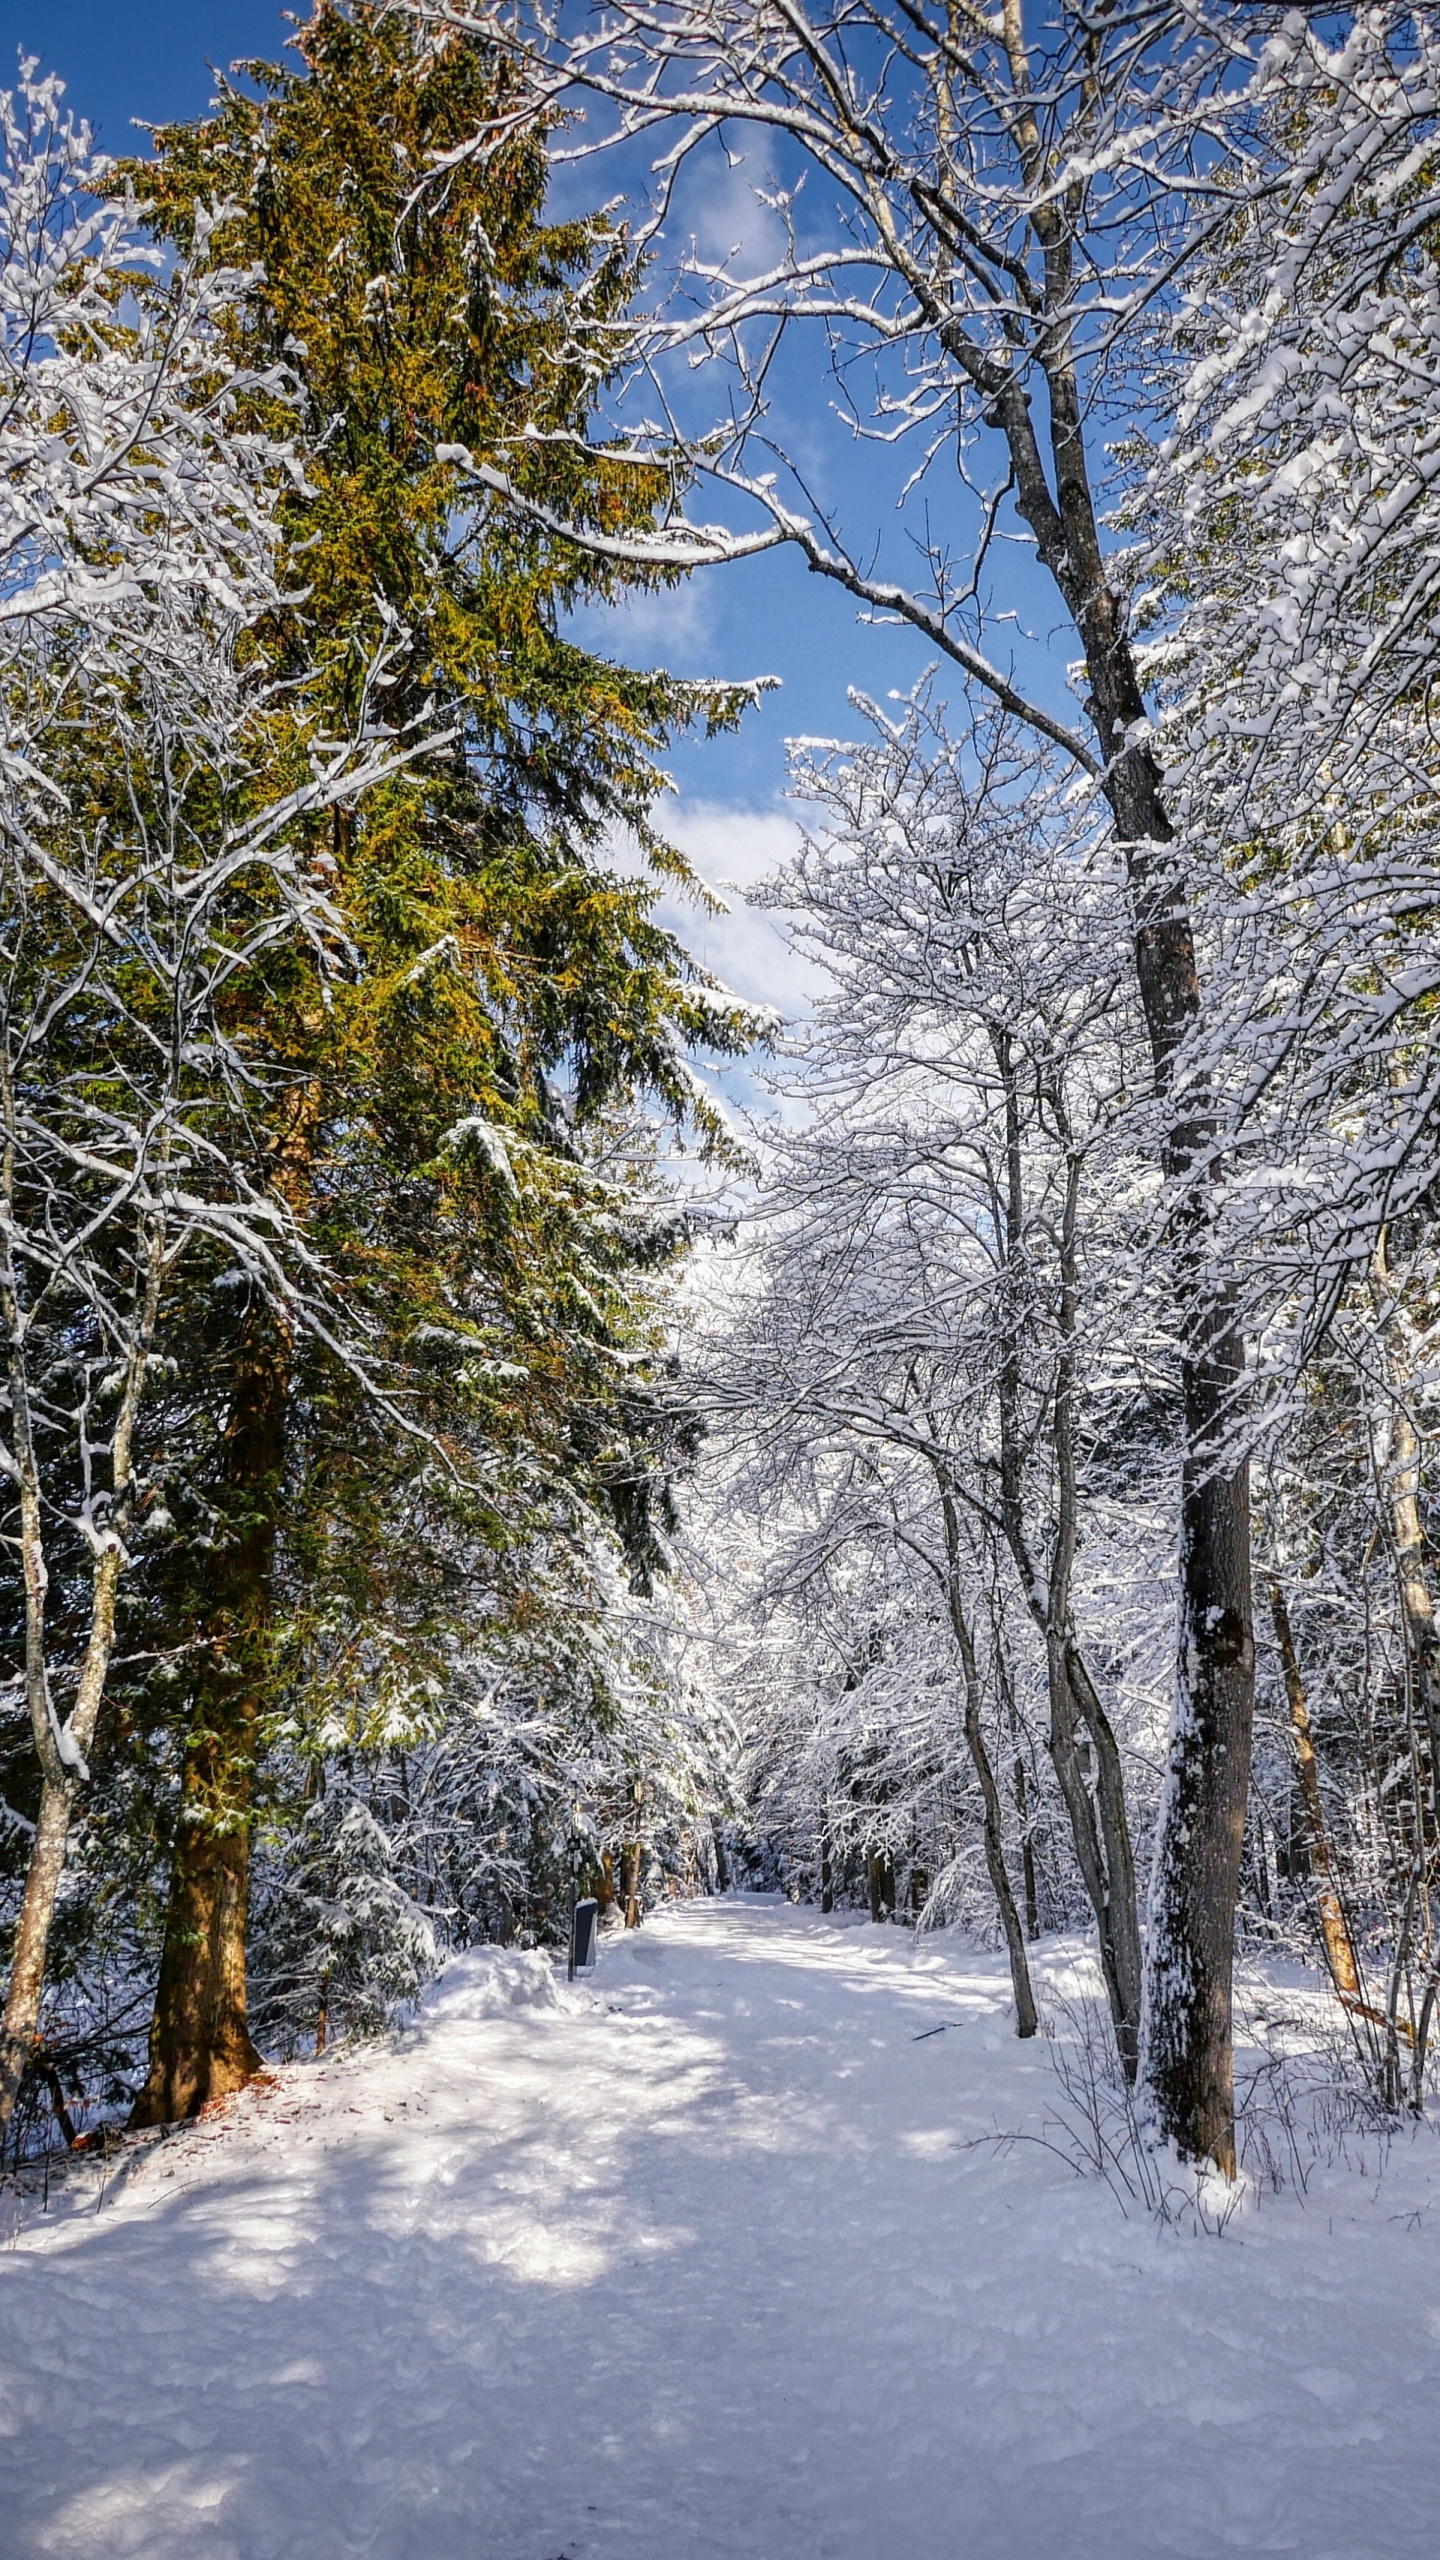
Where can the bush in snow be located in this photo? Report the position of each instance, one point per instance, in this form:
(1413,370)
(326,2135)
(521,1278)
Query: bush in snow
(338,1945)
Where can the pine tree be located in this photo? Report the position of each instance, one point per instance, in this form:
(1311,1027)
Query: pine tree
(510,991)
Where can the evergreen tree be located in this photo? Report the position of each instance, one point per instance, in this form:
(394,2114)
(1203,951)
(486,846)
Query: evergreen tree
(510,992)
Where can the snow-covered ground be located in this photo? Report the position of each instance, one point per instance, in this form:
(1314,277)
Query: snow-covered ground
(704,2261)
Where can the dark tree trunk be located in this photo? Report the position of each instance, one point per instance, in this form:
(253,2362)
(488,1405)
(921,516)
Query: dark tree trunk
(1027,1813)
(880,1880)
(1027,1852)
(1187,2057)
(1188,2054)
(1118,1917)
(1187,2062)
(200,2044)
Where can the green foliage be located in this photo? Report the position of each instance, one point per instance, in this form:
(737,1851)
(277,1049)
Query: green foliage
(511,993)
(455,1121)
(454,1116)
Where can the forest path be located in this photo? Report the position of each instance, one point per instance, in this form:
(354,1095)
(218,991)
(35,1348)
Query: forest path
(694,2263)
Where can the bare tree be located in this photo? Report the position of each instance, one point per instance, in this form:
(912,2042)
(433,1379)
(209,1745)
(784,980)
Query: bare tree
(991,202)
(932,1290)
(972,963)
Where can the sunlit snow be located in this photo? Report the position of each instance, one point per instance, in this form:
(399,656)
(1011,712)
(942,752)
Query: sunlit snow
(715,2255)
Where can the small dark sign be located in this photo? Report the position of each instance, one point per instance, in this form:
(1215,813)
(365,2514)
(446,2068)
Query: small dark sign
(584,1936)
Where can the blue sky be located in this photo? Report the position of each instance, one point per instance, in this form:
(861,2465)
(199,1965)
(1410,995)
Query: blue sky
(124,58)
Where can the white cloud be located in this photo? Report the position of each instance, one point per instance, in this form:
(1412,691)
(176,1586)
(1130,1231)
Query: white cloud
(747,948)
(722,206)
(661,626)
(732,849)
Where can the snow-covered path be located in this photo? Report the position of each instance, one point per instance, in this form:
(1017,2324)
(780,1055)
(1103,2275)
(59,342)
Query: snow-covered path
(696,2265)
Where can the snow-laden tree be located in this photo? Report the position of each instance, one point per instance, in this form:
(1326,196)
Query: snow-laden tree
(154,802)
(885,1760)
(1290,520)
(1291,515)
(339,1945)
(124,488)
(945,1336)
(486,1773)
(514,986)
(963,217)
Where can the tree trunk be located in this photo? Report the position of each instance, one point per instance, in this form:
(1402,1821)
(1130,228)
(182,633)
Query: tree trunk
(1335,1933)
(1099,1825)
(1027,1853)
(200,2045)
(1026,2020)
(1118,1915)
(61,1749)
(32,1937)
(1187,2063)
(1187,2060)
(1025,1813)
(1402,1487)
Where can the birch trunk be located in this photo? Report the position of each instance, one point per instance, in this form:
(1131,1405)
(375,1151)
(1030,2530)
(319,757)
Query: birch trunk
(61,1747)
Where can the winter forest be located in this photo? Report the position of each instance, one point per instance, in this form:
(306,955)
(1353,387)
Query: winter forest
(936,1475)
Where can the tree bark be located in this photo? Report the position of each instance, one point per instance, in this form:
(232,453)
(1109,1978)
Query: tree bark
(1402,1489)
(32,1937)
(1026,1813)
(1027,1852)
(880,1884)
(1187,2061)
(1026,2020)
(61,1748)
(1340,1956)
(200,2043)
